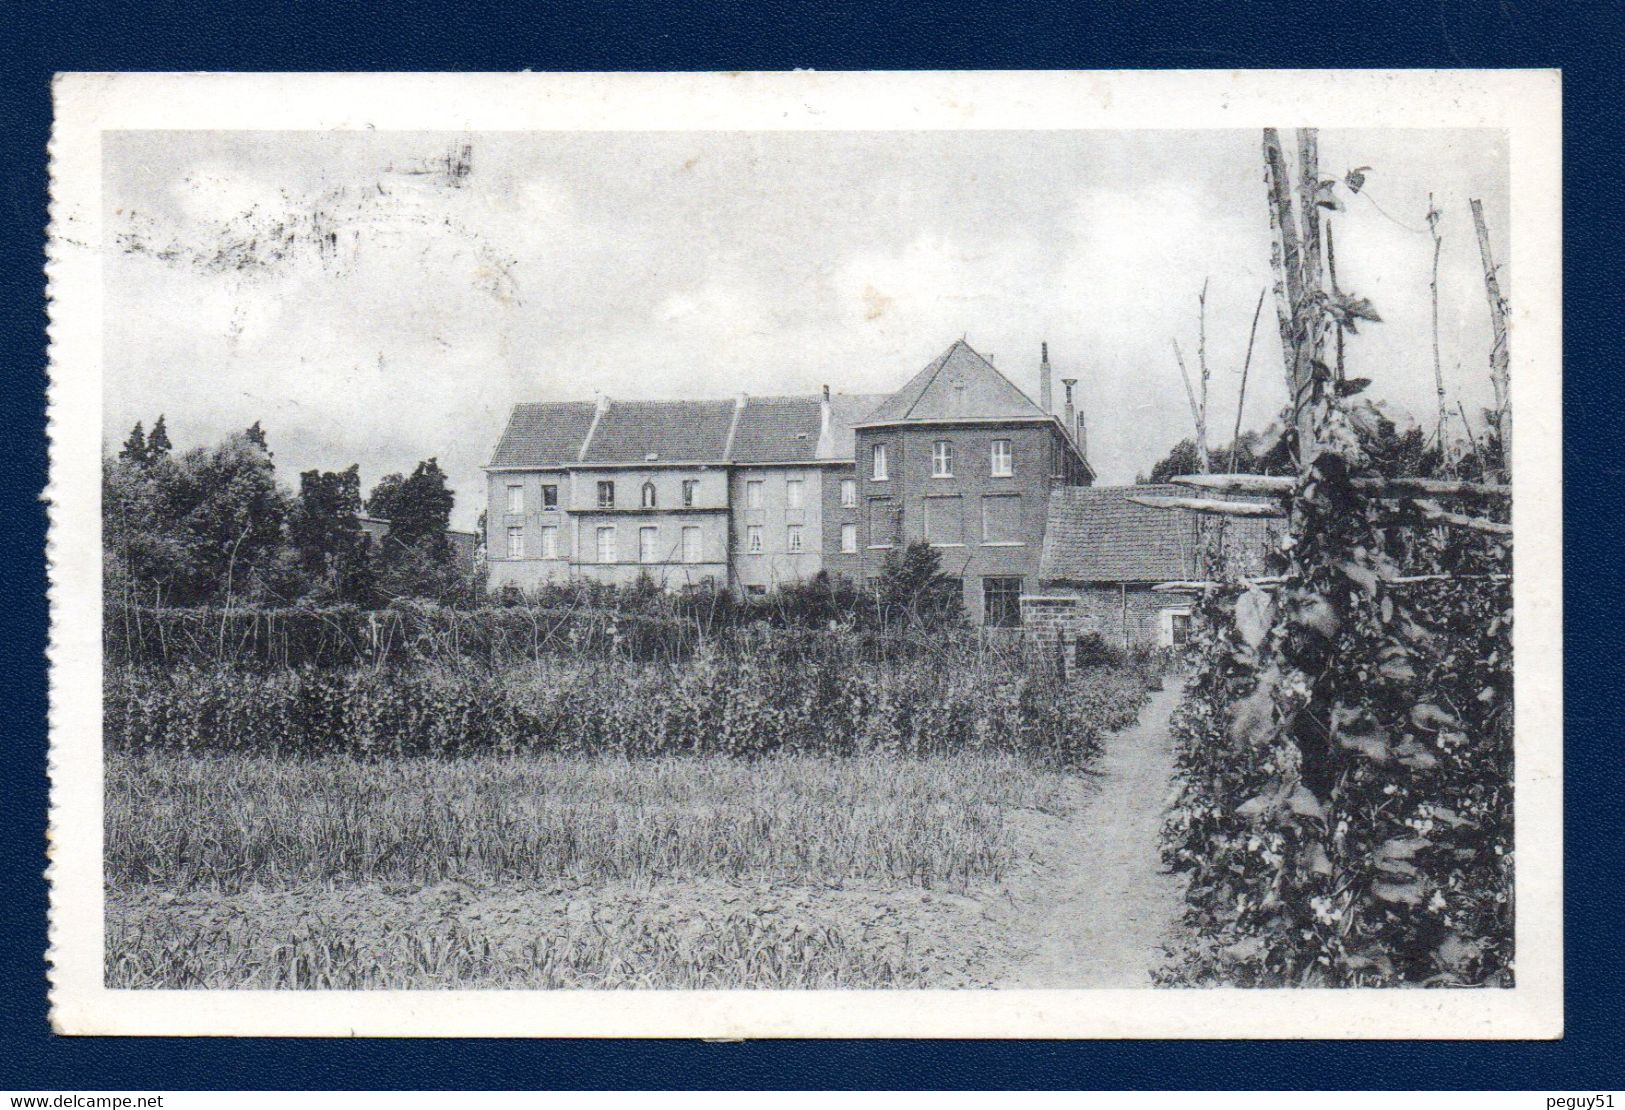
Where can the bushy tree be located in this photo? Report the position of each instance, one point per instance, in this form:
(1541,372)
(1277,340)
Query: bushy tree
(158,445)
(1252,452)
(135,446)
(332,550)
(416,558)
(914,591)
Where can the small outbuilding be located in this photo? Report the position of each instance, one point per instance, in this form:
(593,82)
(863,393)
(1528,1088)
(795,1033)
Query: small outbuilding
(1103,553)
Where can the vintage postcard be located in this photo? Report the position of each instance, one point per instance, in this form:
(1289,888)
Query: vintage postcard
(835,555)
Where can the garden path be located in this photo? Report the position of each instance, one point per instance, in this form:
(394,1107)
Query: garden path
(1101,904)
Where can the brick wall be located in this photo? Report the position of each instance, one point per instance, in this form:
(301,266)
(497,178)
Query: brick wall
(1125,617)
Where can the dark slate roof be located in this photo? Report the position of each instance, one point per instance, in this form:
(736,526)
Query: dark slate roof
(769,430)
(544,434)
(845,411)
(777,429)
(671,431)
(1096,534)
(931,395)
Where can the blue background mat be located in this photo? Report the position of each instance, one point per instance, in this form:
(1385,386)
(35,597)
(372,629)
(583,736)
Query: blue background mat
(1583,38)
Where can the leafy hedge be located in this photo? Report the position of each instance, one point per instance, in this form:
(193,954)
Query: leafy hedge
(753,695)
(1344,806)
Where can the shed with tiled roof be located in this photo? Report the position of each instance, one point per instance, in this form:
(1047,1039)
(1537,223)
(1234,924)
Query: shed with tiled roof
(1095,534)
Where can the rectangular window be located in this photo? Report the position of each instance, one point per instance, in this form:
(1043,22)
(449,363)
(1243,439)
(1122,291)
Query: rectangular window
(882,522)
(1001,602)
(753,539)
(792,538)
(944,520)
(753,495)
(755,591)
(849,538)
(1179,629)
(648,543)
(550,498)
(942,459)
(849,493)
(877,467)
(691,544)
(606,544)
(1001,459)
(1001,518)
(690,485)
(606,495)
(516,499)
(550,543)
(792,493)
(516,543)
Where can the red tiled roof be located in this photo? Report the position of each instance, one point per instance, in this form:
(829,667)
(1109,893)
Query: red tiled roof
(958,384)
(1096,534)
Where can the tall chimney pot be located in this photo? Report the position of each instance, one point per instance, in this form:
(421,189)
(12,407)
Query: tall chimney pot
(1071,415)
(1046,388)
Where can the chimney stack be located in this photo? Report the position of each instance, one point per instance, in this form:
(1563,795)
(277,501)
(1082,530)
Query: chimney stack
(825,448)
(1071,415)
(1046,389)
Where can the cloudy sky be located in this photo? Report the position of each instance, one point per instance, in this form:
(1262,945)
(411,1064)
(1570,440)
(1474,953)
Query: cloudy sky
(366,305)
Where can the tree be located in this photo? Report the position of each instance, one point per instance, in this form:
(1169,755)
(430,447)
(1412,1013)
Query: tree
(914,590)
(224,504)
(418,507)
(135,447)
(1254,454)
(332,549)
(256,436)
(158,445)
(417,559)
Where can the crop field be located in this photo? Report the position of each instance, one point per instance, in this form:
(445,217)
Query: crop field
(619,850)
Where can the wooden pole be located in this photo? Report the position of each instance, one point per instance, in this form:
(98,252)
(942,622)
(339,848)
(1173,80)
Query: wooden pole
(1331,276)
(1198,414)
(1500,370)
(1291,299)
(1438,367)
(1201,366)
(1241,397)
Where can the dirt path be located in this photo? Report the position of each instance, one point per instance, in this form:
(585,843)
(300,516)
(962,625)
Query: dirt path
(1100,904)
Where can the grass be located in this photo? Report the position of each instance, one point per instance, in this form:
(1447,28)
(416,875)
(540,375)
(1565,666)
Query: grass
(536,871)
(788,817)
(233,822)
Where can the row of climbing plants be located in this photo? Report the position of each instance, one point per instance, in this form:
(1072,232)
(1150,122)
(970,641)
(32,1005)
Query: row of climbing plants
(1343,800)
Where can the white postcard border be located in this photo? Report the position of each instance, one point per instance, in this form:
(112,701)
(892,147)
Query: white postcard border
(1524,103)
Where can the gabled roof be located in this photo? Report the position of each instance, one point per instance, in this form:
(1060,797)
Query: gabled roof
(1096,534)
(958,384)
(661,431)
(777,429)
(548,434)
(767,430)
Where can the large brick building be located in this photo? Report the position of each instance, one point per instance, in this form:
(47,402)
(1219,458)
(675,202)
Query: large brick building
(962,459)
(759,492)
(749,493)
(762,491)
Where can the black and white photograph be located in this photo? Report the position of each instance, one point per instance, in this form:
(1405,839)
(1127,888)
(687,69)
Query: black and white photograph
(1013,557)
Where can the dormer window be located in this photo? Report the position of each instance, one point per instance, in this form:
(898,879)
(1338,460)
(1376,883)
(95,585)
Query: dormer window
(649,497)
